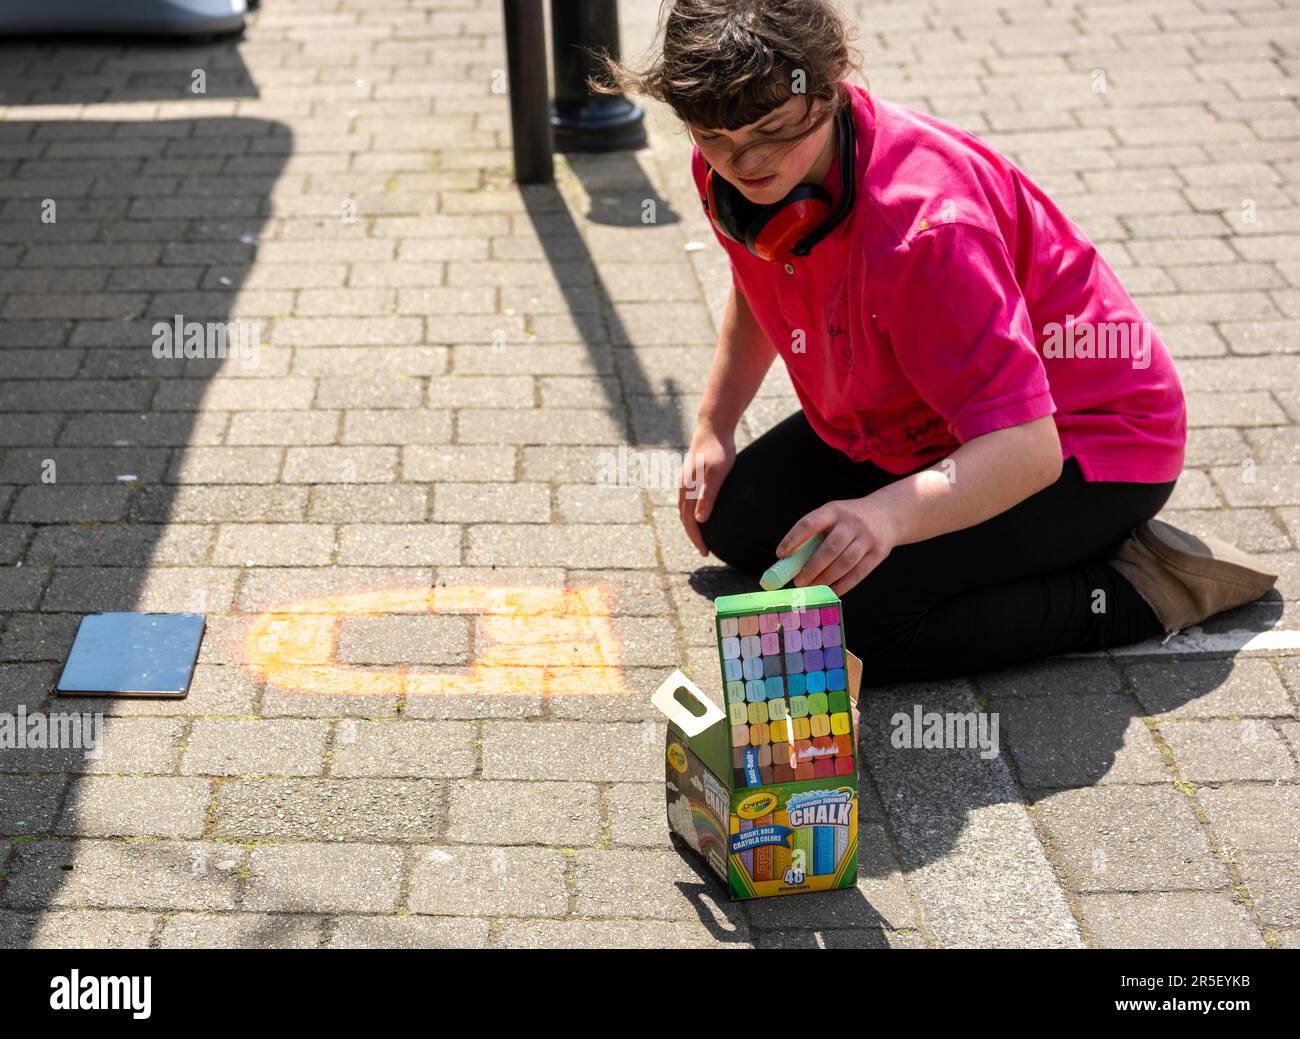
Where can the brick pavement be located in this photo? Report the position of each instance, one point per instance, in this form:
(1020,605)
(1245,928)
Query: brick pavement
(445,359)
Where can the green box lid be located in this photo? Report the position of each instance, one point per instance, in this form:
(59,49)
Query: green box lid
(783,599)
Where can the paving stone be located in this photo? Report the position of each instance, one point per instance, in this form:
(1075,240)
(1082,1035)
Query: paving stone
(371,503)
(839,939)
(501,813)
(408,748)
(461,463)
(76,929)
(28,804)
(577,751)
(621,934)
(371,426)
(128,806)
(363,465)
(576,545)
(961,832)
(637,815)
(240,931)
(274,544)
(323,878)
(471,881)
(408,932)
(1219,751)
(397,544)
(274,589)
(270,747)
(1250,818)
(1078,741)
(1169,920)
(399,639)
(488,502)
(161,875)
(1052,678)
(229,503)
(376,810)
(1129,838)
(1180,689)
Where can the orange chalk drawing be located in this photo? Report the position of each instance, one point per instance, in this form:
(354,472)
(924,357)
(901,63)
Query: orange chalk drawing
(530,640)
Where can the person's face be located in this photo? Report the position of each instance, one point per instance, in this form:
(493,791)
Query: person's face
(762,168)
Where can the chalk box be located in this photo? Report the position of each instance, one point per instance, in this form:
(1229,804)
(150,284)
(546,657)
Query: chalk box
(765,789)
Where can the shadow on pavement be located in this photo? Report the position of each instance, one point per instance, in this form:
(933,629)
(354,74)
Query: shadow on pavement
(649,414)
(152,221)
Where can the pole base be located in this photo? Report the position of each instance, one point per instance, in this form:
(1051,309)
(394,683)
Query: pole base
(604,124)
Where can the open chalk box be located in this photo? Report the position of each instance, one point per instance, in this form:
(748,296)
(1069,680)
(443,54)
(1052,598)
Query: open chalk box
(765,788)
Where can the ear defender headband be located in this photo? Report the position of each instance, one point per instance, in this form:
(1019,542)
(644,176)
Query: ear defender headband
(791,227)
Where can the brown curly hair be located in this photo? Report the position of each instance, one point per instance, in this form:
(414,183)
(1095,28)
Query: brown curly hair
(728,63)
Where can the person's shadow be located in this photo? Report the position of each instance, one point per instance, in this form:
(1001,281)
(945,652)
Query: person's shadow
(1065,723)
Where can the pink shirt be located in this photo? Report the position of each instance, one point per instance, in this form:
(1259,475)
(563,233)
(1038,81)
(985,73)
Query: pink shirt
(957,299)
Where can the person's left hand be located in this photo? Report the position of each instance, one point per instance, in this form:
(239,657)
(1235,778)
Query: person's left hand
(859,535)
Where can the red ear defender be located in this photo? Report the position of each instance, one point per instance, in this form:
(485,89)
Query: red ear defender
(788,229)
(773,235)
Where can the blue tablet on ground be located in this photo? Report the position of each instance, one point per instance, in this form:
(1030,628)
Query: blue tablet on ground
(133,654)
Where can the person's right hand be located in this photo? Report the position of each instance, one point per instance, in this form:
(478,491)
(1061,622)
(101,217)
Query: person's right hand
(709,459)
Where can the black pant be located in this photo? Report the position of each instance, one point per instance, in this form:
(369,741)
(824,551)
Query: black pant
(1022,585)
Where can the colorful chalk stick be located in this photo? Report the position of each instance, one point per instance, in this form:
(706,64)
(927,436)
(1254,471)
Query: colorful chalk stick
(823,849)
(747,856)
(785,683)
(763,853)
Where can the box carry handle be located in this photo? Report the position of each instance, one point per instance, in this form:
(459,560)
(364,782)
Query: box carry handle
(670,697)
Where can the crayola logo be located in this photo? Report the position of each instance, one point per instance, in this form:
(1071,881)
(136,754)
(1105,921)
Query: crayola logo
(677,757)
(758,804)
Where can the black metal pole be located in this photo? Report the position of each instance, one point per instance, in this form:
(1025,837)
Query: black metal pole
(530,126)
(584,122)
